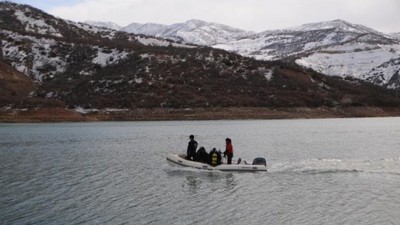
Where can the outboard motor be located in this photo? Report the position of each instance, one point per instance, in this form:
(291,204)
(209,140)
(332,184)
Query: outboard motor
(259,161)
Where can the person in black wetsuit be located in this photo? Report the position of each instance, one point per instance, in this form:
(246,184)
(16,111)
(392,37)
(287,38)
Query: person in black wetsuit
(202,155)
(191,149)
(214,157)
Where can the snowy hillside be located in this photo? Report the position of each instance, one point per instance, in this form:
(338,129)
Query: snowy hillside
(336,24)
(151,29)
(193,31)
(280,44)
(395,35)
(33,43)
(377,64)
(39,24)
(335,48)
(108,25)
(146,36)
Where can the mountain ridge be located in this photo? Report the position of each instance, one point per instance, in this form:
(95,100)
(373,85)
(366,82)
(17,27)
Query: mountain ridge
(81,67)
(302,45)
(367,54)
(193,31)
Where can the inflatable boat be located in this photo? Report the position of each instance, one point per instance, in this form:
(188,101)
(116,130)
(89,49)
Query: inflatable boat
(258,164)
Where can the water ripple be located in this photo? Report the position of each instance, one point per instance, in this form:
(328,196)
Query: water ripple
(116,173)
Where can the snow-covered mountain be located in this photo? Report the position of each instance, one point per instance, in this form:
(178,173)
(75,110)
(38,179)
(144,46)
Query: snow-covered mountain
(193,31)
(335,24)
(151,29)
(109,25)
(395,35)
(335,48)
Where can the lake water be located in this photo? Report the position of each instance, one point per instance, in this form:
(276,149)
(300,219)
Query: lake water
(325,171)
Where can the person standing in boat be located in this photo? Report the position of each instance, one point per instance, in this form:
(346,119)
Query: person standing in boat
(191,149)
(229,150)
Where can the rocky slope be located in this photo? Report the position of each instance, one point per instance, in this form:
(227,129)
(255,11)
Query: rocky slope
(88,69)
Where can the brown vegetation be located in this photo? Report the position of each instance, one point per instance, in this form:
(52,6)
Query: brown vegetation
(156,83)
(14,84)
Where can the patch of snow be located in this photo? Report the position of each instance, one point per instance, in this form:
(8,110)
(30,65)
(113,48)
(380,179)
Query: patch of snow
(82,110)
(118,81)
(153,42)
(102,31)
(49,95)
(145,56)
(10,51)
(328,40)
(43,61)
(41,64)
(36,25)
(162,43)
(361,61)
(85,73)
(256,48)
(138,80)
(115,110)
(105,58)
(268,74)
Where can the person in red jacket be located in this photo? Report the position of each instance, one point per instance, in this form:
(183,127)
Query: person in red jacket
(229,150)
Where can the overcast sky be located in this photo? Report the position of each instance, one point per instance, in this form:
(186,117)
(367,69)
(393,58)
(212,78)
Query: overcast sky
(255,15)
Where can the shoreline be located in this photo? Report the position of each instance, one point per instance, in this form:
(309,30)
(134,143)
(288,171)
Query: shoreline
(160,114)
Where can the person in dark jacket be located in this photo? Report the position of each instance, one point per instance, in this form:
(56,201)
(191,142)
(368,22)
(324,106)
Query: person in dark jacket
(202,155)
(191,149)
(214,158)
(229,150)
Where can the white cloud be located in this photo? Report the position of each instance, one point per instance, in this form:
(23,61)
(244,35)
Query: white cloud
(257,15)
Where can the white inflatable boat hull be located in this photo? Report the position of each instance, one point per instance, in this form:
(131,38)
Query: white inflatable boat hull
(176,159)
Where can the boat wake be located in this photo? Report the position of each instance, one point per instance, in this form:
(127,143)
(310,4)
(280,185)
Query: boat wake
(323,166)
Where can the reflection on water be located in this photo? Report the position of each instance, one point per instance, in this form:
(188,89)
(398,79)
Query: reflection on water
(192,182)
(195,179)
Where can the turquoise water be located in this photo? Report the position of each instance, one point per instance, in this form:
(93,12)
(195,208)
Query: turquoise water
(329,171)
